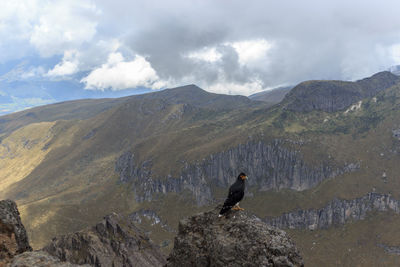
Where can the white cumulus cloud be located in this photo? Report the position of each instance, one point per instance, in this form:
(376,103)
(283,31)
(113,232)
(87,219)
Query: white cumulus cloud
(63,25)
(68,65)
(232,88)
(251,50)
(118,74)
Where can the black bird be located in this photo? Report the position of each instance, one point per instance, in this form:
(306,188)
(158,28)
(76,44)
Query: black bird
(236,193)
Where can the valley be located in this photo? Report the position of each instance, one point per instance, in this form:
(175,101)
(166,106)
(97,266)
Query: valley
(324,169)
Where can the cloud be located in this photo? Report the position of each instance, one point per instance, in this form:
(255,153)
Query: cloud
(237,45)
(251,50)
(68,66)
(64,25)
(118,74)
(395,53)
(230,88)
(23,71)
(208,54)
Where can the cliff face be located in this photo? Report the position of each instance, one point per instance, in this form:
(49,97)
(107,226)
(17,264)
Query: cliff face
(338,211)
(234,240)
(13,237)
(115,241)
(151,216)
(269,166)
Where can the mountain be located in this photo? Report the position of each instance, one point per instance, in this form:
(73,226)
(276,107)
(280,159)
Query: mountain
(114,241)
(117,241)
(273,96)
(166,155)
(395,69)
(331,96)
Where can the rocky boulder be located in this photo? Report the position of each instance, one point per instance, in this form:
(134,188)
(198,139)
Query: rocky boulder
(40,259)
(234,240)
(115,241)
(13,237)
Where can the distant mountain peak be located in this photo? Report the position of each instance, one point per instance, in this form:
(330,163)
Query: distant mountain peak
(395,70)
(333,95)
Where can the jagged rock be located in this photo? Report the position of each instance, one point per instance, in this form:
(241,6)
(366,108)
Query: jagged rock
(338,211)
(40,259)
(234,240)
(13,237)
(396,133)
(390,249)
(150,215)
(115,241)
(269,166)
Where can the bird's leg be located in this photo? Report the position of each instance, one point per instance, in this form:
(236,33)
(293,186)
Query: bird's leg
(236,207)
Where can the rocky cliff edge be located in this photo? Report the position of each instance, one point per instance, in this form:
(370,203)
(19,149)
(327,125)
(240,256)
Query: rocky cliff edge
(13,237)
(115,241)
(234,240)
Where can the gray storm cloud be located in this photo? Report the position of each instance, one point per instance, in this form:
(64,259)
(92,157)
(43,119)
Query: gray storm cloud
(245,45)
(311,39)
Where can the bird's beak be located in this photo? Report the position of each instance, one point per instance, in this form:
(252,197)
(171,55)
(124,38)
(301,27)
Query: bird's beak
(244,178)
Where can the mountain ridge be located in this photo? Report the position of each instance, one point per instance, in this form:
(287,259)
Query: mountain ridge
(331,96)
(184,154)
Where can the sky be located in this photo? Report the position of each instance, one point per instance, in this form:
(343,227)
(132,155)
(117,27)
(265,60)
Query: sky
(53,51)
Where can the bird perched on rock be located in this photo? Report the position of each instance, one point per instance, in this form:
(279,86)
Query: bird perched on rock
(236,193)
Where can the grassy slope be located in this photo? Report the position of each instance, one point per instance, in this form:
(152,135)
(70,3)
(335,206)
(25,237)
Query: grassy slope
(72,183)
(353,244)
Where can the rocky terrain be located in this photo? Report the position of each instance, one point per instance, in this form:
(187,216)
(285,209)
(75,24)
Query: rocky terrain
(164,156)
(115,241)
(203,240)
(338,211)
(40,259)
(270,166)
(13,237)
(234,240)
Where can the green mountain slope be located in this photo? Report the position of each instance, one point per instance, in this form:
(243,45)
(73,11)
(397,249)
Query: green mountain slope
(166,155)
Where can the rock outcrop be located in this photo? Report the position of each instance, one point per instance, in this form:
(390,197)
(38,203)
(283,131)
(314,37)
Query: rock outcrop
(234,240)
(40,259)
(151,216)
(331,96)
(115,241)
(337,212)
(13,237)
(390,249)
(269,166)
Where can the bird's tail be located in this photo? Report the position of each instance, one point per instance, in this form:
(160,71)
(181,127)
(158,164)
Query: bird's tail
(224,210)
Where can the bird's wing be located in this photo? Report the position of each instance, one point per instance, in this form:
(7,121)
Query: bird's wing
(235,193)
(234,196)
